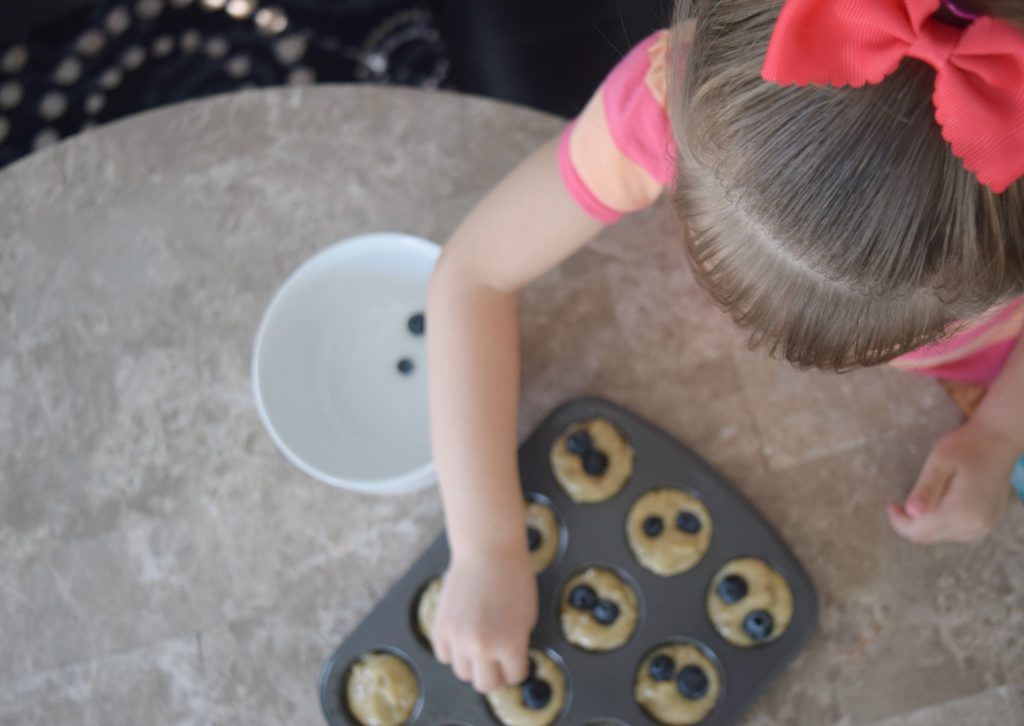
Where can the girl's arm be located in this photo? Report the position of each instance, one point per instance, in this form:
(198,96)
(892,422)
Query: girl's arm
(522,228)
(964,487)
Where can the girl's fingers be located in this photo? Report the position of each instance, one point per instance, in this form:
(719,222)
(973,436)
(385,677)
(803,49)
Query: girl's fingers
(931,485)
(914,529)
(515,666)
(898,517)
(463,667)
(486,675)
(442,651)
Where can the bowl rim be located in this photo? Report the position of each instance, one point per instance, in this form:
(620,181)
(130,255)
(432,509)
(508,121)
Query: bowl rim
(413,480)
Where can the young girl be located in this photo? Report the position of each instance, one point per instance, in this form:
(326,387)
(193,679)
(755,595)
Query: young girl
(848,178)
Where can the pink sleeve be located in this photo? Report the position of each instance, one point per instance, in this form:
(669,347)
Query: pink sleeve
(976,353)
(619,154)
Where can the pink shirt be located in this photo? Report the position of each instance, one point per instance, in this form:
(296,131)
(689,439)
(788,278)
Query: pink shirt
(618,156)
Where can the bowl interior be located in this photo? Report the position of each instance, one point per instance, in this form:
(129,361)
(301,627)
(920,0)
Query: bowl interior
(325,366)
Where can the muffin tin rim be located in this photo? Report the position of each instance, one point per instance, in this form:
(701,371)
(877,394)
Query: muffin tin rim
(663,450)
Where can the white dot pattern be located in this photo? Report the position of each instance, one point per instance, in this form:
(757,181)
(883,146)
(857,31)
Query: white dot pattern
(90,43)
(148,9)
(111,78)
(14,59)
(271,20)
(290,50)
(240,9)
(163,46)
(190,41)
(216,47)
(117,21)
(240,44)
(94,103)
(238,66)
(302,76)
(133,57)
(52,105)
(46,137)
(11,94)
(68,71)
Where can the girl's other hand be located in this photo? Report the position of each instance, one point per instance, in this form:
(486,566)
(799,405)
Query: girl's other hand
(963,489)
(487,609)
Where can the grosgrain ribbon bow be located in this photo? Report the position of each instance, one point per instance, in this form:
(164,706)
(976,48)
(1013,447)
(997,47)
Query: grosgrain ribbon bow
(979,70)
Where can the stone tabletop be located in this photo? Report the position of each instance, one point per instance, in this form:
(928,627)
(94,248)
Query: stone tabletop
(161,563)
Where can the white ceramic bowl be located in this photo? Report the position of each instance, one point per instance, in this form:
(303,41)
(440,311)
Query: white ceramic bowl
(324,366)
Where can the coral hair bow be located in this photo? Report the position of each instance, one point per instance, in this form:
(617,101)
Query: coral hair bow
(979,69)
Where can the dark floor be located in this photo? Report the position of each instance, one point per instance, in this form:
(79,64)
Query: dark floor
(116,57)
(97,60)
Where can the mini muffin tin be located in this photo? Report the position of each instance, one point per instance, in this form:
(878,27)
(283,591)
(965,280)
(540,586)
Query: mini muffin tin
(672,609)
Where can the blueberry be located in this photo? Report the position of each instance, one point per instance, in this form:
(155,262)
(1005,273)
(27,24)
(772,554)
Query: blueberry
(692,682)
(579,442)
(661,667)
(417,324)
(595,462)
(758,624)
(405,366)
(688,522)
(606,612)
(582,597)
(533,538)
(653,526)
(536,694)
(732,588)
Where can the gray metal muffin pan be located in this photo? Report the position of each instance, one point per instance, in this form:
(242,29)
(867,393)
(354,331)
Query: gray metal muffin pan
(600,685)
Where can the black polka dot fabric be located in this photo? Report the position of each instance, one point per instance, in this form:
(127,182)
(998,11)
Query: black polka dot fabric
(119,57)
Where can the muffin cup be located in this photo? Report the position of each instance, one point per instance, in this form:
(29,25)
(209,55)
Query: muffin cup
(672,609)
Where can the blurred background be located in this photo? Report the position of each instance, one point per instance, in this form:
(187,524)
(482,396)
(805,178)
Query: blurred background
(68,65)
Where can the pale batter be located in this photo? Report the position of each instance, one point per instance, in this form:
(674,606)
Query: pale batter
(543,540)
(749,602)
(592,460)
(599,610)
(426,609)
(668,530)
(382,690)
(677,684)
(537,701)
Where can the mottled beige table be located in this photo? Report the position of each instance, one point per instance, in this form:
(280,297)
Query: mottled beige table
(160,563)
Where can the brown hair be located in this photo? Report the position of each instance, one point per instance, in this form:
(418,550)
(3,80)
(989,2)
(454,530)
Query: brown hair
(834,223)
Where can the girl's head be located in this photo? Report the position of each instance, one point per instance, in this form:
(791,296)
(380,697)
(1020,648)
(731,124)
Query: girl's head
(834,222)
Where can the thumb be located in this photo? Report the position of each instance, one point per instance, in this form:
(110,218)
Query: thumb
(931,485)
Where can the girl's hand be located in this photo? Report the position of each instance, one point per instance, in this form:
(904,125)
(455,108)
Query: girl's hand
(963,489)
(487,609)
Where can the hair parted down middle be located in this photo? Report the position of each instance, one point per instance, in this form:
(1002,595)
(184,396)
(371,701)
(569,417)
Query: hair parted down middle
(834,223)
